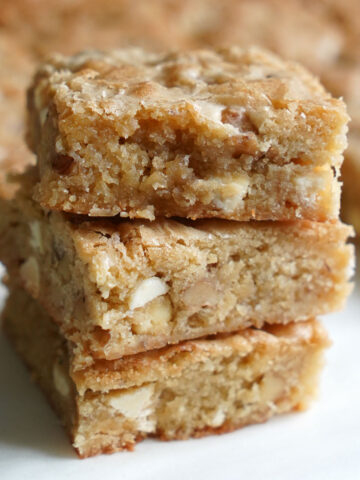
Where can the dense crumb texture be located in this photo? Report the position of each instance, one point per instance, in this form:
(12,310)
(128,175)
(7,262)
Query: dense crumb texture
(118,287)
(192,389)
(231,133)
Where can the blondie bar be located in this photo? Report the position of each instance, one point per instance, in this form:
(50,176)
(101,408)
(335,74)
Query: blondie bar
(235,134)
(117,287)
(195,388)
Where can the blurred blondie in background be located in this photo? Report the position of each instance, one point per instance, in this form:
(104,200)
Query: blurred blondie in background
(323,35)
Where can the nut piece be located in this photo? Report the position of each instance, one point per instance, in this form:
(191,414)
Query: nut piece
(30,275)
(231,191)
(238,118)
(200,294)
(271,388)
(132,403)
(61,380)
(135,404)
(154,319)
(146,291)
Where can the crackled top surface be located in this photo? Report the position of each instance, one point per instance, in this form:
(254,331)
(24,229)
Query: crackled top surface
(122,81)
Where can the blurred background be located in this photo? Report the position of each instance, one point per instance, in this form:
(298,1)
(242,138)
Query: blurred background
(321,34)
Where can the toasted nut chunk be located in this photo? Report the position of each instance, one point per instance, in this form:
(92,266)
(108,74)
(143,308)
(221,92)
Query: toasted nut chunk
(135,405)
(271,387)
(154,319)
(201,294)
(132,403)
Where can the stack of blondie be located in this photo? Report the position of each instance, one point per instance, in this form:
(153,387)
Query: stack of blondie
(138,324)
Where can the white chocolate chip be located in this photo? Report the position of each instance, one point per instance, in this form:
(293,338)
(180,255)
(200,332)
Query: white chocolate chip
(213,112)
(61,380)
(30,275)
(59,146)
(146,291)
(218,419)
(210,110)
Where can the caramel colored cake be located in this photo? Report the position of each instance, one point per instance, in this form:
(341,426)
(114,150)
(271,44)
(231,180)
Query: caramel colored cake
(195,388)
(234,134)
(118,287)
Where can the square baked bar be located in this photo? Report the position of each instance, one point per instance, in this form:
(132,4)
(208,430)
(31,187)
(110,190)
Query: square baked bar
(195,388)
(234,134)
(118,287)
